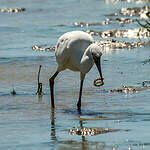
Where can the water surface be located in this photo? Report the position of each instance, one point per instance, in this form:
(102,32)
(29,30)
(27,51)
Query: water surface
(27,121)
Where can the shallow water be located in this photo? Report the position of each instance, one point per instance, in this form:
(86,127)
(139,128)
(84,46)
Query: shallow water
(27,122)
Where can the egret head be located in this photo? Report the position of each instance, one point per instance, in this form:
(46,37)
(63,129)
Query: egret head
(96,55)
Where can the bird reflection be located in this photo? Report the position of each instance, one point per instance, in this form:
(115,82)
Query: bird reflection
(40,99)
(53,131)
(82,143)
(81,126)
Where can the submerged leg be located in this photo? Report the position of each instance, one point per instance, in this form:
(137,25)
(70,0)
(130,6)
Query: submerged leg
(51,84)
(80,93)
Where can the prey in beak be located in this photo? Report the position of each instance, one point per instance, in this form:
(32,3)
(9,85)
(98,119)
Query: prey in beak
(97,61)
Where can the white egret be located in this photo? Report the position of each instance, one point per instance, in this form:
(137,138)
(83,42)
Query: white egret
(76,51)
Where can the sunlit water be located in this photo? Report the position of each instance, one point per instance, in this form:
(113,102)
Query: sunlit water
(27,122)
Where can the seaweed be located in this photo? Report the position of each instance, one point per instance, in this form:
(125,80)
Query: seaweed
(39,91)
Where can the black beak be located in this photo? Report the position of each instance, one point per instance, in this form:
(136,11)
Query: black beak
(98,65)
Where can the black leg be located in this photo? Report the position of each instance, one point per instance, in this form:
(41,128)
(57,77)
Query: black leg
(51,84)
(80,95)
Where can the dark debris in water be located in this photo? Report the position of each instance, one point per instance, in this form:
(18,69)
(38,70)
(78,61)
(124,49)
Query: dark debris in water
(13,92)
(146,83)
(12,10)
(146,61)
(39,90)
(146,25)
(91,131)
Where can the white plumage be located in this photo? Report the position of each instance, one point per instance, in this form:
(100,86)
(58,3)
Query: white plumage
(76,51)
